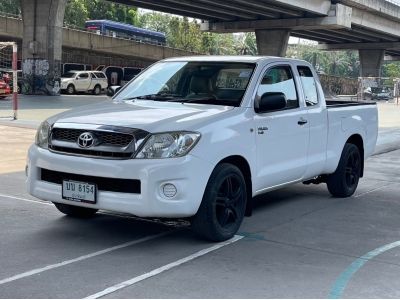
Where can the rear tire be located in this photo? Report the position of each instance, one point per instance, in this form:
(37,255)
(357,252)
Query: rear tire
(343,183)
(223,206)
(97,90)
(70,89)
(75,211)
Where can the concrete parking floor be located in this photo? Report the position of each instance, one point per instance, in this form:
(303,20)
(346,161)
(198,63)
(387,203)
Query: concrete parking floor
(300,242)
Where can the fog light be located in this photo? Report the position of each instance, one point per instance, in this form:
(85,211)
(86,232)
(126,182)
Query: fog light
(169,190)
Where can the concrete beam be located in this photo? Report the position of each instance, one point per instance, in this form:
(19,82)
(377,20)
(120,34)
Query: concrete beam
(381,7)
(320,7)
(78,39)
(371,62)
(238,8)
(177,9)
(272,42)
(339,17)
(375,22)
(262,6)
(367,46)
(392,58)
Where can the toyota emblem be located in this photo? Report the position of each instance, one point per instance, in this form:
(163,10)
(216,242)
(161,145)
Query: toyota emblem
(86,140)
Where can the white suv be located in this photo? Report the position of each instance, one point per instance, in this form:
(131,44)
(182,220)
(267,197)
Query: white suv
(84,81)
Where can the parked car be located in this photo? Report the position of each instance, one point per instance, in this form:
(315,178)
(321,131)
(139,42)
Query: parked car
(378,93)
(198,138)
(84,81)
(5,89)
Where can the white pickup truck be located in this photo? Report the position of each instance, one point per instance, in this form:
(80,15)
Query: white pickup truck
(84,81)
(198,138)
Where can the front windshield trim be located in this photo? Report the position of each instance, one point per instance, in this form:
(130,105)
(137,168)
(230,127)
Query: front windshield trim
(235,82)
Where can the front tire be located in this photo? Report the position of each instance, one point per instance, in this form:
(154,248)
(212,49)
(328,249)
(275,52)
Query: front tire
(70,89)
(223,206)
(343,183)
(75,211)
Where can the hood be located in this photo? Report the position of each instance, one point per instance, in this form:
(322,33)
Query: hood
(152,116)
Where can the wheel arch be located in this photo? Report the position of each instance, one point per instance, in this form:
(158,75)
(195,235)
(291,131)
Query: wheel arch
(243,165)
(358,141)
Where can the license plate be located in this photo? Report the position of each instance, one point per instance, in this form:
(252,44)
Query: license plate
(79,191)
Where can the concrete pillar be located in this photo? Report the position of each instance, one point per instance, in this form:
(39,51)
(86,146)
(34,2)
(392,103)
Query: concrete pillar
(371,62)
(272,42)
(42,44)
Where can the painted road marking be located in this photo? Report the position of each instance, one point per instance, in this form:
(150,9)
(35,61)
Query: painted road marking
(24,199)
(81,258)
(373,190)
(344,278)
(101,212)
(162,269)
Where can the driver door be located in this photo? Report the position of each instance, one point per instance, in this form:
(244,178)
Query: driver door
(83,81)
(282,136)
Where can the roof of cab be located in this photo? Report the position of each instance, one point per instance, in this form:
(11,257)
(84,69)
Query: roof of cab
(224,58)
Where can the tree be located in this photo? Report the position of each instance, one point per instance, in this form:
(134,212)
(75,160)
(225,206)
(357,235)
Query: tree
(11,7)
(79,11)
(391,70)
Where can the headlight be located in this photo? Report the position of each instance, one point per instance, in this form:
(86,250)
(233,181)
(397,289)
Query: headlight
(42,135)
(169,144)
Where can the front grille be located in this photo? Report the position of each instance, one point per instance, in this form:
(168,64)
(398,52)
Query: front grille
(105,138)
(103,184)
(93,153)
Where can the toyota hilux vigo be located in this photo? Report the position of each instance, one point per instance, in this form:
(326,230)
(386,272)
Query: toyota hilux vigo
(197,138)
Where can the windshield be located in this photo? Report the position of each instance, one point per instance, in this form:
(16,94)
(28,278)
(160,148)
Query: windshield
(218,83)
(68,75)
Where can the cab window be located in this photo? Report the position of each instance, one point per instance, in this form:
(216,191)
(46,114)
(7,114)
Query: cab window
(280,79)
(83,76)
(309,85)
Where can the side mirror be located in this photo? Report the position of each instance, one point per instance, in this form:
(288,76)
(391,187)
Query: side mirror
(112,90)
(270,102)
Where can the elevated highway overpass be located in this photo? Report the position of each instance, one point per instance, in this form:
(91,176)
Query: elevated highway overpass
(371,26)
(89,48)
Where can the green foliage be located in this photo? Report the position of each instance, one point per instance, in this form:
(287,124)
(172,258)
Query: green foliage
(10,6)
(79,11)
(391,70)
(336,63)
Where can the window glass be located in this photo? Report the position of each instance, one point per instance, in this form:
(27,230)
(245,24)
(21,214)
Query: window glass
(233,78)
(99,75)
(309,85)
(83,75)
(280,79)
(216,83)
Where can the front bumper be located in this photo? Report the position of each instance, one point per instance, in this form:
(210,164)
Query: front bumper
(189,174)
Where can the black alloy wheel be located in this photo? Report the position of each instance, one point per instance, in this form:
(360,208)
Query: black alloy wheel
(223,206)
(344,181)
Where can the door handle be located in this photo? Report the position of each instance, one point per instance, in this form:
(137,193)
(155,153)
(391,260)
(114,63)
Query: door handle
(302,121)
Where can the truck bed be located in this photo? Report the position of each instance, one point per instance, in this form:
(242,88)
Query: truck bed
(341,103)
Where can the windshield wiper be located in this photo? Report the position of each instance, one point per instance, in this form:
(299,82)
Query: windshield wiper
(155,97)
(193,100)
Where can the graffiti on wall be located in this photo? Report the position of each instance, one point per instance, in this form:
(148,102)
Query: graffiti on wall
(39,79)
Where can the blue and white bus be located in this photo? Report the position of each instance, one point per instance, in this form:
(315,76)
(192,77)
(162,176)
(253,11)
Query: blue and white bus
(125,31)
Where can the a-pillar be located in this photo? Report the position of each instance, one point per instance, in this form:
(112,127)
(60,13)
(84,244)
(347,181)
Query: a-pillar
(42,45)
(371,62)
(272,42)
